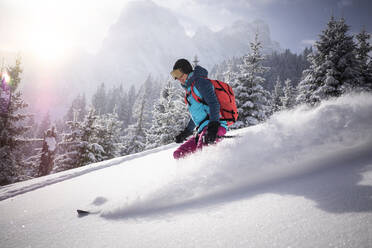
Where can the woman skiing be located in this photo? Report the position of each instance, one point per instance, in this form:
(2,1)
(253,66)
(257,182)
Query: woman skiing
(205,115)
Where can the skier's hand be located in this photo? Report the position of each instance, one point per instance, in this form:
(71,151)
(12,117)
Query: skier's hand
(182,136)
(211,134)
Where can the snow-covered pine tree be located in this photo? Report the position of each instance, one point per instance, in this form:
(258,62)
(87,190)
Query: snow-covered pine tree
(285,65)
(123,109)
(114,97)
(229,75)
(170,116)
(48,152)
(253,101)
(109,134)
(131,102)
(69,148)
(123,106)
(135,136)
(78,148)
(152,92)
(82,106)
(44,126)
(307,87)
(30,122)
(289,97)
(99,100)
(277,96)
(334,68)
(363,50)
(33,143)
(77,110)
(218,71)
(12,132)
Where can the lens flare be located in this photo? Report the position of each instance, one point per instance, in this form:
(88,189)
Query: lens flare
(5,93)
(5,77)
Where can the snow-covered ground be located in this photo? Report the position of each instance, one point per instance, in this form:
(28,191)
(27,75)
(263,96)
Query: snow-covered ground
(303,179)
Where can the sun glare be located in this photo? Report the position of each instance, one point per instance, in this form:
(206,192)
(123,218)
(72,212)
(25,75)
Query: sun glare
(48,46)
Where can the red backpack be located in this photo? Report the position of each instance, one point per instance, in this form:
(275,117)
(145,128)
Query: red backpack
(226,98)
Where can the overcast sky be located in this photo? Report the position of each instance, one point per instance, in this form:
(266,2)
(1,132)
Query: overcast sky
(50,28)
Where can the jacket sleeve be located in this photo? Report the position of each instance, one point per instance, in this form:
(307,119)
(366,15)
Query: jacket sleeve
(206,89)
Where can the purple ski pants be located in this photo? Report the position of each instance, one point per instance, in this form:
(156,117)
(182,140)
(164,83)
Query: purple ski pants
(191,146)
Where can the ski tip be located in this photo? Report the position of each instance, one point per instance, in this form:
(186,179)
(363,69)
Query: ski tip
(82,212)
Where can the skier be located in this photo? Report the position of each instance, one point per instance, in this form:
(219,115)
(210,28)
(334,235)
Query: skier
(205,117)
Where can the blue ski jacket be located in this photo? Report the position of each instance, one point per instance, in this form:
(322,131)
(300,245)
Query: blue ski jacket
(200,113)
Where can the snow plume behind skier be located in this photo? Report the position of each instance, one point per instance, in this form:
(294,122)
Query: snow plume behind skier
(205,117)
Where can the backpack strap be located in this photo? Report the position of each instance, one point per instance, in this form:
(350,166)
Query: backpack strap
(196,97)
(186,98)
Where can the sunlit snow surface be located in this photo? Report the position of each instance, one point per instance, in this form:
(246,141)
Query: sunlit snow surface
(303,179)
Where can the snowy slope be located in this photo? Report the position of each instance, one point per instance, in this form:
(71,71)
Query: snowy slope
(303,179)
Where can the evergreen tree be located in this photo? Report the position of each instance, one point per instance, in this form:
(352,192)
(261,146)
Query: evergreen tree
(307,51)
(170,116)
(82,108)
(131,102)
(109,131)
(12,131)
(334,68)
(230,74)
(114,97)
(253,101)
(135,134)
(29,148)
(99,100)
(123,109)
(135,138)
(289,98)
(33,126)
(152,91)
(78,148)
(285,65)
(307,87)
(77,109)
(277,96)
(363,50)
(48,152)
(44,125)
(69,148)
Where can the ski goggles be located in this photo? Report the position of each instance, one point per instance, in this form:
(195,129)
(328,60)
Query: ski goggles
(176,74)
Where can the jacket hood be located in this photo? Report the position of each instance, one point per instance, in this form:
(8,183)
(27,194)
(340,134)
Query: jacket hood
(197,73)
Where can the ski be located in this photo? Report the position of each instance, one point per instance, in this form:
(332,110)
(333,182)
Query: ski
(82,213)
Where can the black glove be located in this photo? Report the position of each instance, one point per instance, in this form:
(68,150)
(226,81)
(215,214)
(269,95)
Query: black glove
(211,134)
(181,137)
